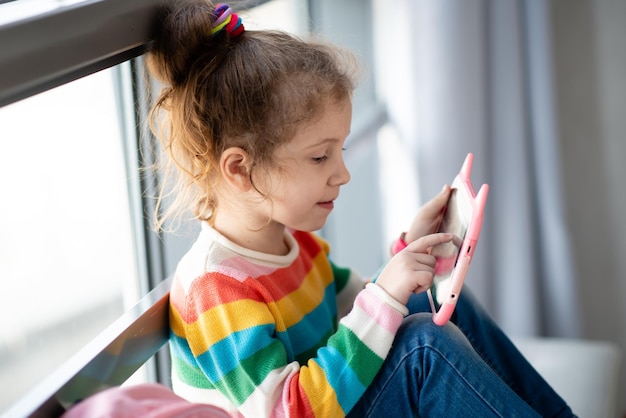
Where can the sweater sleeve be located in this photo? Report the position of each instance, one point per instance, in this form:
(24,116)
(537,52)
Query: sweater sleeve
(226,342)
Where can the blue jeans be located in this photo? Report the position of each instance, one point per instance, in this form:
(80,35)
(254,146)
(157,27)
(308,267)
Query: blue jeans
(467,368)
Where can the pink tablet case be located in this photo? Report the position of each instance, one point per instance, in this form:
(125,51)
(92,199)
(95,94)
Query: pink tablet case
(477,203)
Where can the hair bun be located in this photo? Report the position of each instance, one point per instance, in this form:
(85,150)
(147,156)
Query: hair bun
(182,34)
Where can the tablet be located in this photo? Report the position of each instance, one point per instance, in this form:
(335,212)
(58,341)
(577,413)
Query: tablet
(463,217)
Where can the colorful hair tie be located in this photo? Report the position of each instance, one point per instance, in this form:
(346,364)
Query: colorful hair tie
(225,19)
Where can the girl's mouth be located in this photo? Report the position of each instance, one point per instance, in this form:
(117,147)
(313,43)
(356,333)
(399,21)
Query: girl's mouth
(327,205)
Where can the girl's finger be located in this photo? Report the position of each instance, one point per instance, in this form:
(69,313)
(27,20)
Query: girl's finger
(426,261)
(422,244)
(435,205)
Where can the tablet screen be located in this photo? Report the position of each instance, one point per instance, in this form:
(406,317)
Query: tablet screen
(455,220)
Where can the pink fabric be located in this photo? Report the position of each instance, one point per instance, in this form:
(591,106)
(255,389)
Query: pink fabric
(390,320)
(148,400)
(399,245)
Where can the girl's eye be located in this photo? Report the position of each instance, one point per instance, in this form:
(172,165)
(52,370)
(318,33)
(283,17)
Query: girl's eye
(318,160)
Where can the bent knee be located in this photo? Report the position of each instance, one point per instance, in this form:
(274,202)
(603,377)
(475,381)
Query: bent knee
(420,330)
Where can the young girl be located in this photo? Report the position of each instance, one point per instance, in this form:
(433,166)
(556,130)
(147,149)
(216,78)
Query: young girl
(263,323)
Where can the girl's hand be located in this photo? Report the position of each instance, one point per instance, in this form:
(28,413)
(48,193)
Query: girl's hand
(428,218)
(412,269)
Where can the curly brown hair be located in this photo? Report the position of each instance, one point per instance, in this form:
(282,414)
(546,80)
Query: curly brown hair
(251,91)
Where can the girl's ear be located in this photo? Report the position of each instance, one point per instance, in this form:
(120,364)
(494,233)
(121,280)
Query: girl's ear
(235,165)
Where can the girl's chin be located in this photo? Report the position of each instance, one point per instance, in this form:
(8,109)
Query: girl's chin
(311,226)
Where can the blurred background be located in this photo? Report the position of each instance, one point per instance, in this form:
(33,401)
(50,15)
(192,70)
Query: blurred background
(536,89)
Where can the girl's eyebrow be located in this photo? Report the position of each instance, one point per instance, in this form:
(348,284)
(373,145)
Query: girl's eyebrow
(322,142)
(325,141)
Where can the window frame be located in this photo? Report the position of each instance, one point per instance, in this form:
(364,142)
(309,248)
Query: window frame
(44,51)
(47,50)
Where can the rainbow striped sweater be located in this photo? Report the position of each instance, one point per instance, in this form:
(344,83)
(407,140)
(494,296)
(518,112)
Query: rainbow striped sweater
(275,336)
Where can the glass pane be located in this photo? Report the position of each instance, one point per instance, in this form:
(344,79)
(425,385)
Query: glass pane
(288,15)
(66,249)
(11,11)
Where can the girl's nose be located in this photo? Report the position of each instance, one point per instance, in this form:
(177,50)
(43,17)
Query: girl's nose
(341,176)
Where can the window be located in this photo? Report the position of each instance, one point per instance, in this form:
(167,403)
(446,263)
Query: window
(13,10)
(67,260)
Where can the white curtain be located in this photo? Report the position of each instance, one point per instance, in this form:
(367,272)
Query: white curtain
(463,76)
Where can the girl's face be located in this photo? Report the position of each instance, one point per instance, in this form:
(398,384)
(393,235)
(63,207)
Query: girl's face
(302,193)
